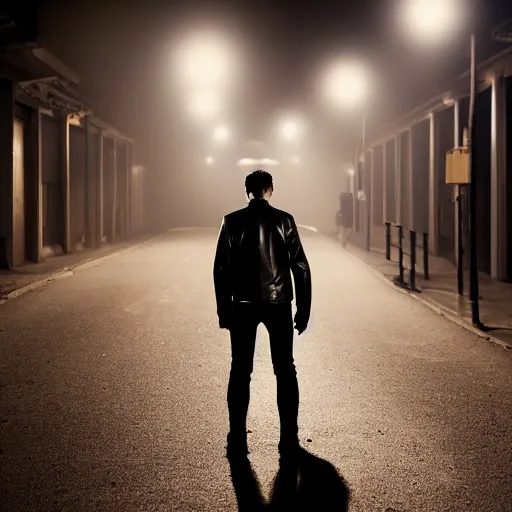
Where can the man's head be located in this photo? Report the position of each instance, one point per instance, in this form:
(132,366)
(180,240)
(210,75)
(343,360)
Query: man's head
(259,185)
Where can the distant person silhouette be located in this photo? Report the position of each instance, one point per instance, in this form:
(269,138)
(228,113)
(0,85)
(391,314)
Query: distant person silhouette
(258,250)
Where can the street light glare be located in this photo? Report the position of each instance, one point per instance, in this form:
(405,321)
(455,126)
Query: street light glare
(209,160)
(346,84)
(221,134)
(432,20)
(290,130)
(204,105)
(205,60)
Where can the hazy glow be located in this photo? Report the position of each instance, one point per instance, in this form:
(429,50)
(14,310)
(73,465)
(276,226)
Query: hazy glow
(204,105)
(221,134)
(289,130)
(209,160)
(205,60)
(431,20)
(346,84)
(351,172)
(268,162)
(254,162)
(247,161)
(296,160)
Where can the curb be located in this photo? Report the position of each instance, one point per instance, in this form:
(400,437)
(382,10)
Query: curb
(70,270)
(433,306)
(34,285)
(92,262)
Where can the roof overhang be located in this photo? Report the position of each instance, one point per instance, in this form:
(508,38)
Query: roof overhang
(459,89)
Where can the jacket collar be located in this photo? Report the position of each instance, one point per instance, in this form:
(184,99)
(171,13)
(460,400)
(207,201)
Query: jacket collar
(258,202)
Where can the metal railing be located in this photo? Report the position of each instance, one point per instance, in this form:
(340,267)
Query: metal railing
(412,254)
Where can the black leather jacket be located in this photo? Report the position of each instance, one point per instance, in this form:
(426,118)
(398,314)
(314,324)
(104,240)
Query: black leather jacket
(258,249)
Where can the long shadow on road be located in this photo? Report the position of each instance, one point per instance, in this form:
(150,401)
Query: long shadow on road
(312,484)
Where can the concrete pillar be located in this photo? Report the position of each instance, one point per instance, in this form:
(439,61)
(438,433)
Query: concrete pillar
(99,193)
(39,185)
(6,172)
(456,188)
(128,189)
(33,187)
(373,190)
(384,183)
(114,193)
(398,183)
(433,190)
(66,185)
(410,182)
(355,186)
(91,196)
(498,179)
(370,194)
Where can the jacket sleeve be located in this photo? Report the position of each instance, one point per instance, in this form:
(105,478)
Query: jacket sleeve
(301,271)
(221,272)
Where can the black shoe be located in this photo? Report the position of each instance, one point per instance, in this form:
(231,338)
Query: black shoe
(236,447)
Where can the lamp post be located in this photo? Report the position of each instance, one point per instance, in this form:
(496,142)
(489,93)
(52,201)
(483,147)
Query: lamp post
(474,292)
(346,85)
(433,20)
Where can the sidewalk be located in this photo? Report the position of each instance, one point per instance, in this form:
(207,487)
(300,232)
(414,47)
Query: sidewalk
(441,290)
(16,280)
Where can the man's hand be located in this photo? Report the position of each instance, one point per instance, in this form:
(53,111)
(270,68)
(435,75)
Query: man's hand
(301,322)
(225,323)
(226,319)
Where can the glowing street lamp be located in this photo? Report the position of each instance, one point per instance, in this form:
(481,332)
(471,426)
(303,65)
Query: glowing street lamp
(432,20)
(346,84)
(205,60)
(289,130)
(209,160)
(221,134)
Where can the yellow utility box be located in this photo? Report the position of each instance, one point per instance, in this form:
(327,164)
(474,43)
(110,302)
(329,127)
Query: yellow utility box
(457,166)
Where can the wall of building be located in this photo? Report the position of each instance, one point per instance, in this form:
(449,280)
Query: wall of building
(53,193)
(444,141)
(404,164)
(508,172)
(420,133)
(483,175)
(122,190)
(390,181)
(378,187)
(6,172)
(78,182)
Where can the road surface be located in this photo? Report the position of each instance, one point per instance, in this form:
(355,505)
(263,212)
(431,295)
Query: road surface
(113,385)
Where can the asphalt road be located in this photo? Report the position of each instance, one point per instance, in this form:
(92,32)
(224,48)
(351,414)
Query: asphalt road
(113,384)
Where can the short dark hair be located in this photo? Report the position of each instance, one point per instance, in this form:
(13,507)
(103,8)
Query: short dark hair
(258,182)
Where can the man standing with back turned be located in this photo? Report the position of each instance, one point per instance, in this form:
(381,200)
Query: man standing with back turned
(257,251)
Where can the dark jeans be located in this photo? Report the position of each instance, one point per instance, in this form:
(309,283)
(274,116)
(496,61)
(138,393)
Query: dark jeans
(277,318)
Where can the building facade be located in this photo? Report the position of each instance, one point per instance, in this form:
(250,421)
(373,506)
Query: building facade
(403,176)
(67,178)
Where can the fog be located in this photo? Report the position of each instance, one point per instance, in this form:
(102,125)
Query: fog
(262,64)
